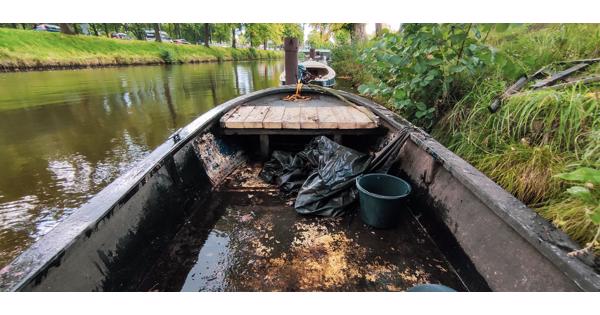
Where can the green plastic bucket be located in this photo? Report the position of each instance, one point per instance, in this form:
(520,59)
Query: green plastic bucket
(382,199)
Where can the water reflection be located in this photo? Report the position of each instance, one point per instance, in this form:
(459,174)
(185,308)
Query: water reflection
(64,135)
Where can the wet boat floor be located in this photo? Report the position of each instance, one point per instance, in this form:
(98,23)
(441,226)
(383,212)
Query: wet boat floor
(248,237)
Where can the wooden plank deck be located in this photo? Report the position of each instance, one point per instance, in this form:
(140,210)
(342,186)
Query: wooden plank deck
(322,113)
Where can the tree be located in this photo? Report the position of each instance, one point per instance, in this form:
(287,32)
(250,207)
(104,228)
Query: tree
(206,34)
(342,37)
(258,33)
(315,40)
(157,36)
(359,33)
(378,28)
(221,32)
(178,30)
(293,30)
(106,30)
(94,29)
(66,29)
(233,36)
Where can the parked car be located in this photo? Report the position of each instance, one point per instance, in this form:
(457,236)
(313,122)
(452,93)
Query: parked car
(47,28)
(181,41)
(120,36)
(150,36)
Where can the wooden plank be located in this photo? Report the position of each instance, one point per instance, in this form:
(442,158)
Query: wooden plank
(345,119)
(274,117)
(304,132)
(327,119)
(559,75)
(291,117)
(361,120)
(227,115)
(308,117)
(256,117)
(236,119)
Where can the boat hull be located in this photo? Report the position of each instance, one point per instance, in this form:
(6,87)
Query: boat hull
(106,244)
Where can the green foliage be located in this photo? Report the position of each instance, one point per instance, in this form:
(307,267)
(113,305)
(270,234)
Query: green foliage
(423,70)
(586,195)
(258,33)
(316,40)
(292,30)
(344,62)
(166,56)
(221,32)
(582,175)
(342,37)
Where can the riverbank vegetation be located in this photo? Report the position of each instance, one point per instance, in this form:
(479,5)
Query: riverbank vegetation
(25,49)
(542,145)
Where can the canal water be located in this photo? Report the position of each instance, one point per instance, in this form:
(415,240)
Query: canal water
(65,135)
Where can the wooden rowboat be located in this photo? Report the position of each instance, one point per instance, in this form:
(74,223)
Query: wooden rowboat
(194,216)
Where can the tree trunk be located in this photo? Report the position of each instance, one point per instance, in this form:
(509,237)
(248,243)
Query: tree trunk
(75,29)
(106,30)
(265,44)
(66,29)
(378,29)
(206,34)
(358,32)
(24,26)
(178,30)
(93,25)
(157,36)
(233,43)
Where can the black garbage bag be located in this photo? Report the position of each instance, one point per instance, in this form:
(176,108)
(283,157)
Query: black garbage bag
(325,171)
(289,171)
(329,190)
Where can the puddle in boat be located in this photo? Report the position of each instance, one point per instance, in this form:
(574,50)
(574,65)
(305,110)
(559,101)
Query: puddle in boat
(206,275)
(243,240)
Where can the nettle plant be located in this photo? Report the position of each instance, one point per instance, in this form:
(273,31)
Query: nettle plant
(586,190)
(422,70)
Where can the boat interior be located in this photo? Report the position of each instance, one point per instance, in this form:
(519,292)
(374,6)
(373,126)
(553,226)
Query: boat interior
(317,72)
(246,236)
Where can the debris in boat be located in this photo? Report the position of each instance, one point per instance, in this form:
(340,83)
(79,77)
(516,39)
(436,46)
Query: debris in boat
(246,218)
(217,157)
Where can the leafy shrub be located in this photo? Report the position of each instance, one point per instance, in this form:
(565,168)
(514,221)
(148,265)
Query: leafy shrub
(579,214)
(345,62)
(166,56)
(426,68)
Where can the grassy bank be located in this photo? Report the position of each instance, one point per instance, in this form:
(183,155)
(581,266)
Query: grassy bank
(29,50)
(543,145)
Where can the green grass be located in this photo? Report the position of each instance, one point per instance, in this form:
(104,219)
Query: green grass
(26,49)
(536,134)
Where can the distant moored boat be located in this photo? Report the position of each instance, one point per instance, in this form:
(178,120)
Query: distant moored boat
(323,74)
